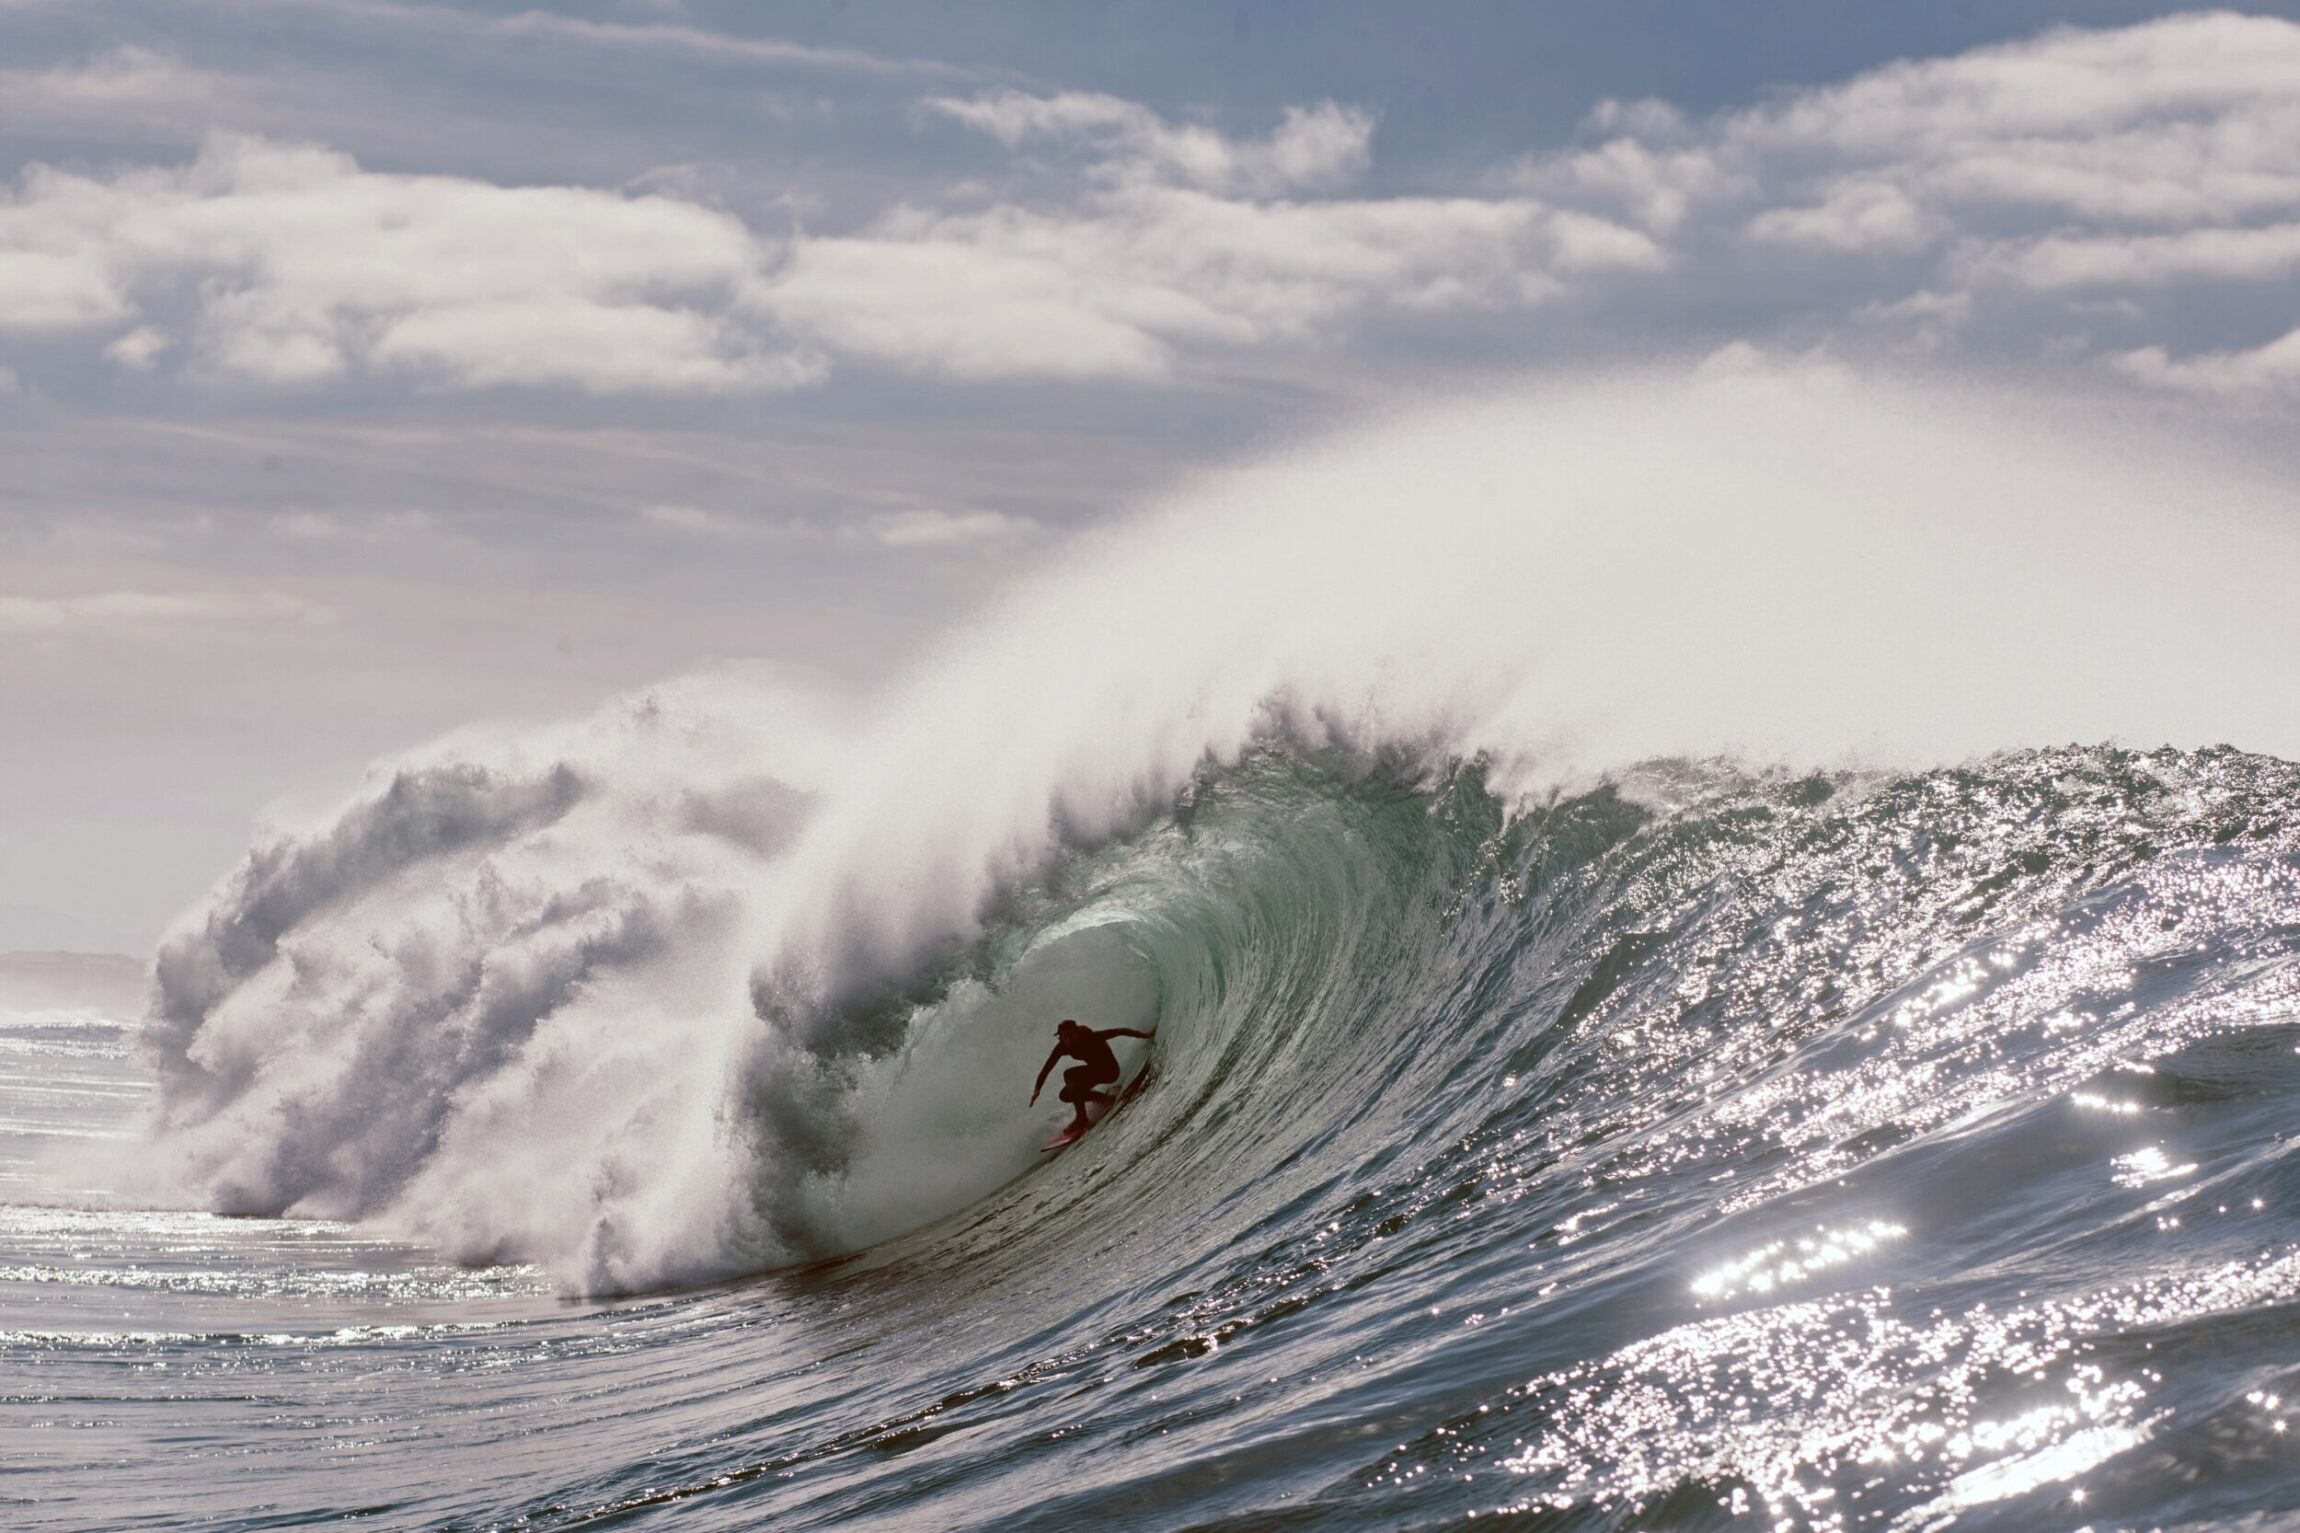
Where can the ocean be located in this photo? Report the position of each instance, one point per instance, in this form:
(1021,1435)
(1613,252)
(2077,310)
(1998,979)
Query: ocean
(1654,1029)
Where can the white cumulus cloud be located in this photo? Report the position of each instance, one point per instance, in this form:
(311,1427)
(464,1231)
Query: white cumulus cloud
(300,266)
(1178,238)
(2065,193)
(2074,168)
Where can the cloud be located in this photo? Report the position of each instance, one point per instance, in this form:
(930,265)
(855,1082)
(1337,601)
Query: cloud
(143,611)
(117,80)
(683,518)
(2063,262)
(2270,370)
(672,39)
(1924,323)
(1177,239)
(1315,146)
(1855,217)
(2185,121)
(53,290)
(371,528)
(2173,122)
(139,350)
(916,528)
(2027,178)
(1110,289)
(929,528)
(293,265)
(570,339)
(301,267)
(2031,195)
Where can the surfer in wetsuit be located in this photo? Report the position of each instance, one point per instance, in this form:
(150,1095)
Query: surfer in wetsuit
(1097,1067)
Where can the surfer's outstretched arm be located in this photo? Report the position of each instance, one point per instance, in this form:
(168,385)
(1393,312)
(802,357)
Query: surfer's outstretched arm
(1124,1032)
(1043,1071)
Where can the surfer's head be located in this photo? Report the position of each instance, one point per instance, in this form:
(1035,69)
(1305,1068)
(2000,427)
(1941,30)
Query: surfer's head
(1068,1028)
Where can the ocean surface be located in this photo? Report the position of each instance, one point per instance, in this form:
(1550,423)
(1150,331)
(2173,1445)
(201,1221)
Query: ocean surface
(1901,1152)
(626,1123)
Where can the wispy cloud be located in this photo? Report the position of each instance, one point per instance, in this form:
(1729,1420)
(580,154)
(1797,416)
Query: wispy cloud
(692,519)
(942,529)
(119,80)
(911,528)
(655,37)
(133,611)
(319,527)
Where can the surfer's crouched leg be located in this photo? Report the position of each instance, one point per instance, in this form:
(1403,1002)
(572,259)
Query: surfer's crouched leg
(1079,1083)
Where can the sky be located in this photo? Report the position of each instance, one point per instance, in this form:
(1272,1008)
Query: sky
(368,368)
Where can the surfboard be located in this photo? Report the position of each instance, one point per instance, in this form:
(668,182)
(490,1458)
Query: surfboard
(1071,1133)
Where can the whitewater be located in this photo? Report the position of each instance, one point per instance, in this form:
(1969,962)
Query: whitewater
(1725,951)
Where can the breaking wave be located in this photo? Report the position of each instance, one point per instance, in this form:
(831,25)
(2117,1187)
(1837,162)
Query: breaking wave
(1526,764)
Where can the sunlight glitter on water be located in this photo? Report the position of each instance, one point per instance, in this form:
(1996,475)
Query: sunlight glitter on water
(1818,1405)
(1785,1261)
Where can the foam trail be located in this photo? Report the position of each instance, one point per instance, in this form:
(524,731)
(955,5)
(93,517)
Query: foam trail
(674,993)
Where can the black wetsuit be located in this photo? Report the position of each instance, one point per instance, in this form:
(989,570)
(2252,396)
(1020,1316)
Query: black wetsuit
(1097,1067)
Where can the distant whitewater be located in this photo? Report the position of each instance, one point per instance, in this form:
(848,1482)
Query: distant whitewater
(1655,1027)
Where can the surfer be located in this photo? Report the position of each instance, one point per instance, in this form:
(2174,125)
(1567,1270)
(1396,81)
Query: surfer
(1097,1067)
